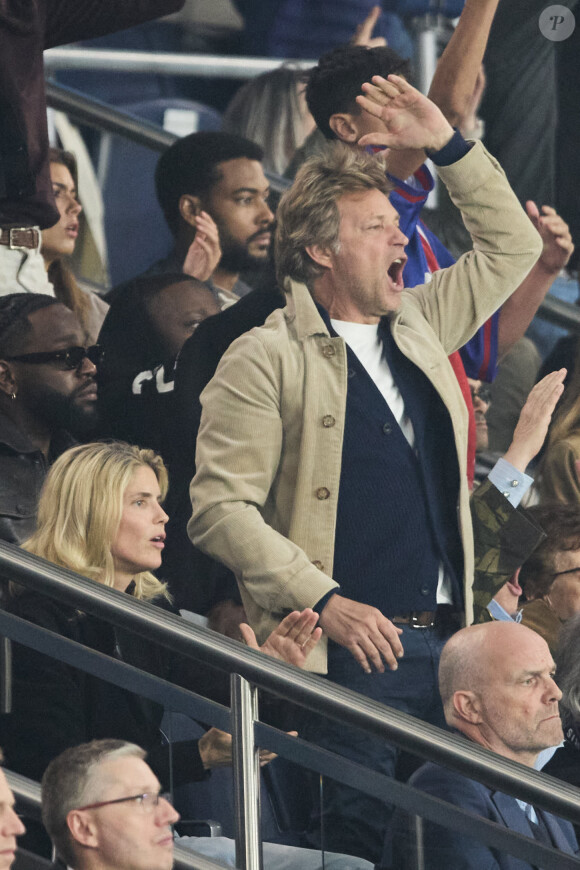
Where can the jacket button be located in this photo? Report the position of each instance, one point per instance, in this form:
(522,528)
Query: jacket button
(328,421)
(425,590)
(387,428)
(328,350)
(318,565)
(322,493)
(351,373)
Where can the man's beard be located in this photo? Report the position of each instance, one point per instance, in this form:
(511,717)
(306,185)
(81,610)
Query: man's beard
(236,256)
(64,412)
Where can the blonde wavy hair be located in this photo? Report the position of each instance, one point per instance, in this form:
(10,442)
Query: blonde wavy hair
(80,510)
(308,212)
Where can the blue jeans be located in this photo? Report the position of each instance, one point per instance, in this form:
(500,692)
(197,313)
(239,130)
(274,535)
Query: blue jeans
(354,822)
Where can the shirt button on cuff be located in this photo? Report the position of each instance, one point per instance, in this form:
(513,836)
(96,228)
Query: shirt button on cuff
(318,565)
(515,483)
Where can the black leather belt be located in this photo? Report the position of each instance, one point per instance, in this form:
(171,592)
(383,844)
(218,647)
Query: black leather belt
(20,237)
(416,618)
(446,618)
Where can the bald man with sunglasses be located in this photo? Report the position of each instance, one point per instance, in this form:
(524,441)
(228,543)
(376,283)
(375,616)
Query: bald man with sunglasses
(48,399)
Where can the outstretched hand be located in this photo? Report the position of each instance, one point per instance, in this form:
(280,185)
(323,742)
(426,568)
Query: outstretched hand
(291,641)
(363,34)
(558,245)
(204,252)
(535,416)
(411,120)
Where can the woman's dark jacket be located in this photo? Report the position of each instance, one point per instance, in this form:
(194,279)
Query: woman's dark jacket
(56,706)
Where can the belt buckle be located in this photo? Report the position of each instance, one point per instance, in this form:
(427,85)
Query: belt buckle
(414,623)
(11,244)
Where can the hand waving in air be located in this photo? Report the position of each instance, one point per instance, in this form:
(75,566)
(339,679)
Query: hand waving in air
(411,120)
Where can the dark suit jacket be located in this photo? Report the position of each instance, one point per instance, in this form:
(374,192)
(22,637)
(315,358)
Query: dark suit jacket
(447,849)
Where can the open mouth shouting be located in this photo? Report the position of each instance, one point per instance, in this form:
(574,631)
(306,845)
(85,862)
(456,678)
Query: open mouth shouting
(395,272)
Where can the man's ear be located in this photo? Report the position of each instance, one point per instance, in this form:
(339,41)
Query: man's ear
(344,127)
(82,828)
(467,707)
(320,255)
(189,208)
(8,379)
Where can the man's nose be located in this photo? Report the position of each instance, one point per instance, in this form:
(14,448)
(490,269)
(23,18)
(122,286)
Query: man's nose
(14,826)
(265,215)
(553,690)
(87,368)
(168,815)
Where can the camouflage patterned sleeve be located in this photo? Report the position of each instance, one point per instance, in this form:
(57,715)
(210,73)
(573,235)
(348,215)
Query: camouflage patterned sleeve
(503,539)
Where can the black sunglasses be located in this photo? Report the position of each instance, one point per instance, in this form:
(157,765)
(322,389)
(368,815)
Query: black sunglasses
(483,393)
(72,357)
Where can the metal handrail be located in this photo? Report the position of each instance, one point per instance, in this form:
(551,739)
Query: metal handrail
(246,791)
(169,63)
(101,116)
(95,113)
(277,677)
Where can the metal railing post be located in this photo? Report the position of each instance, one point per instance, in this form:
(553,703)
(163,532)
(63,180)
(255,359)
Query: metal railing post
(246,765)
(419,851)
(5,675)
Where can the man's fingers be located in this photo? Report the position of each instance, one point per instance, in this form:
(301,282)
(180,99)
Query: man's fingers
(371,107)
(375,650)
(364,31)
(360,656)
(266,757)
(401,84)
(532,210)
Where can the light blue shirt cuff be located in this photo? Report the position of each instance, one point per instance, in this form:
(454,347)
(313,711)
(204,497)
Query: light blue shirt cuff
(511,483)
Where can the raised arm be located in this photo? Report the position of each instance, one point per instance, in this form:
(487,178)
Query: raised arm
(455,77)
(518,311)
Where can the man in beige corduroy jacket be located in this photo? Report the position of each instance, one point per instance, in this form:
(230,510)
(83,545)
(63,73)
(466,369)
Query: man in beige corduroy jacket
(269,494)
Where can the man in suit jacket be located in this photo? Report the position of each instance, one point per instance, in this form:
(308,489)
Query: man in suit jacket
(497,687)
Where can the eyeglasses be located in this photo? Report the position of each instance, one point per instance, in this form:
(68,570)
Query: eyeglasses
(482,393)
(148,802)
(72,357)
(567,571)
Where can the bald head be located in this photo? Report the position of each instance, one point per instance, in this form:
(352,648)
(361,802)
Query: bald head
(465,660)
(497,687)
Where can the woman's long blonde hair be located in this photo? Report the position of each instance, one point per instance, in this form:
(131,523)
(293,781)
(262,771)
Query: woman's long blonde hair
(80,510)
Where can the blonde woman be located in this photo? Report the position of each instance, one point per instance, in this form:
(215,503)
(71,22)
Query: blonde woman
(100,514)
